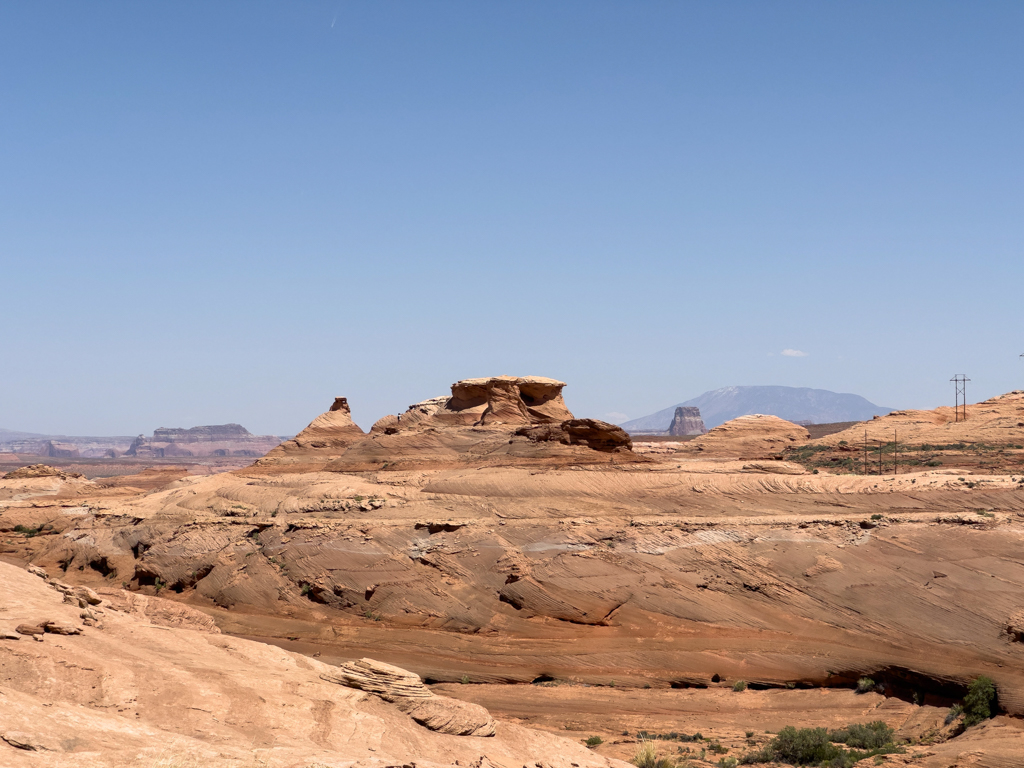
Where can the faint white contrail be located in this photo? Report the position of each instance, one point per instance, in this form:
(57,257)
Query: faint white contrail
(332,22)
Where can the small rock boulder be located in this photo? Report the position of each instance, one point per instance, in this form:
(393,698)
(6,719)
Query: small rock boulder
(1015,626)
(407,691)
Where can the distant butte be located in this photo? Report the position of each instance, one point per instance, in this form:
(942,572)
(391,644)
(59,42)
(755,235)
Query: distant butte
(217,440)
(687,421)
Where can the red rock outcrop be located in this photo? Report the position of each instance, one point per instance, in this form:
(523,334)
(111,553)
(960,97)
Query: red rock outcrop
(482,422)
(494,401)
(329,434)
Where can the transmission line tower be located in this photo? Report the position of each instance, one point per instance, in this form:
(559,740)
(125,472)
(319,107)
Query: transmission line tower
(960,381)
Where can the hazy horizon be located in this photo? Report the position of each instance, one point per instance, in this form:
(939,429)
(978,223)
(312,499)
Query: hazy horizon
(234,212)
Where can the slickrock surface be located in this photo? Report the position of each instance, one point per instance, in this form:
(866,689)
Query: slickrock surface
(756,437)
(459,550)
(38,470)
(997,421)
(128,693)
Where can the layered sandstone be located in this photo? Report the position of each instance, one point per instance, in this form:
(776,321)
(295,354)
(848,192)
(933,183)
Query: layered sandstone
(101,687)
(750,437)
(499,553)
(996,421)
(485,421)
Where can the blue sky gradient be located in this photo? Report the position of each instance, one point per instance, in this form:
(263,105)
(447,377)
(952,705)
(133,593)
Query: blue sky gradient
(215,212)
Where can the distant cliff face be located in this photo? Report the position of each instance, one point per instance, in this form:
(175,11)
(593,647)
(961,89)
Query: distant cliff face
(214,440)
(687,421)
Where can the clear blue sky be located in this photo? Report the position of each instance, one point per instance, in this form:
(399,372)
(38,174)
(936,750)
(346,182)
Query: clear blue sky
(234,211)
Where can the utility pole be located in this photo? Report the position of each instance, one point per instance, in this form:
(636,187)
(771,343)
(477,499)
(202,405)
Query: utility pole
(960,382)
(865,451)
(879,458)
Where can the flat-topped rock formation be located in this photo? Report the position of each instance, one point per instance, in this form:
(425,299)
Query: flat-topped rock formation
(215,440)
(687,421)
(501,419)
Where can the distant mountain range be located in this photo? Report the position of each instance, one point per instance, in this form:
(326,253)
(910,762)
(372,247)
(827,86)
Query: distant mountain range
(817,406)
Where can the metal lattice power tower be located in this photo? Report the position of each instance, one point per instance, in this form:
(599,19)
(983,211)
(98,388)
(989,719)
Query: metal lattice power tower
(961,397)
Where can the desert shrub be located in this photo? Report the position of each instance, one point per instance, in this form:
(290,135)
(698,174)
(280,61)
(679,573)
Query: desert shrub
(465,681)
(673,736)
(979,701)
(814,746)
(594,741)
(865,684)
(871,736)
(739,685)
(808,746)
(728,762)
(647,757)
(954,712)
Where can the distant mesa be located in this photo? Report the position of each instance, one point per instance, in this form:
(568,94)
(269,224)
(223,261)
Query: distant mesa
(687,421)
(56,449)
(795,404)
(202,442)
(62,446)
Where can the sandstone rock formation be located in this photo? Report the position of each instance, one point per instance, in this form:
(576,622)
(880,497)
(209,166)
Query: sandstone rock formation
(124,693)
(996,421)
(593,433)
(687,421)
(750,437)
(398,686)
(488,402)
(502,554)
(327,435)
(218,440)
(38,470)
(497,420)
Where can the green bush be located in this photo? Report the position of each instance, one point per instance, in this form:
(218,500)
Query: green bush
(870,736)
(739,685)
(814,746)
(594,741)
(979,701)
(808,746)
(865,684)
